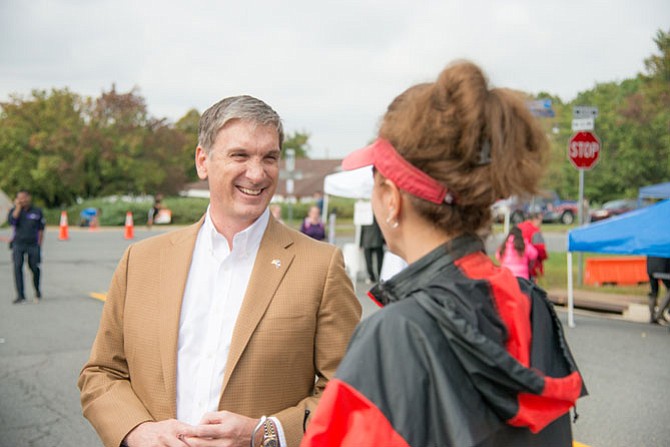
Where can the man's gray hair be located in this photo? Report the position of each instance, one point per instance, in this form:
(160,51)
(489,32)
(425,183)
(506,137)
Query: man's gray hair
(246,108)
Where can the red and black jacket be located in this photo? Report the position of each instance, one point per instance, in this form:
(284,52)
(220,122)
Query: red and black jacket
(462,354)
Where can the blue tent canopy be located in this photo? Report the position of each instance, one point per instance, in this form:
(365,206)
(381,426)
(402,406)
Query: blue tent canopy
(645,231)
(658,191)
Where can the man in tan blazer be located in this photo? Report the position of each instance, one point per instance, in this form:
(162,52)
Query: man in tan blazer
(273,353)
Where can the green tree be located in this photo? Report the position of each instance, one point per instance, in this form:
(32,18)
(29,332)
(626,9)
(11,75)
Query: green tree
(658,65)
(129,151)
(299,141)
(39,140)
(634,128)
(118,128)
(61,147)
(164,145)
(188,125)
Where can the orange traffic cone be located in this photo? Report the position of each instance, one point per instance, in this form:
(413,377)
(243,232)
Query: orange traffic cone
(63,234)
(93,224)
(130,226)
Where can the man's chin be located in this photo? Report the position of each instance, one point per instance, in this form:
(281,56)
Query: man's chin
(251,212)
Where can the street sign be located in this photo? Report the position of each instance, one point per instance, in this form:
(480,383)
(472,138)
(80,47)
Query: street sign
(584,150)
(583,124)
(541,107)
(584,112)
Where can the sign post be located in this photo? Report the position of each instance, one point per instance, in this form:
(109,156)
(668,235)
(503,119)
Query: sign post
(583,152)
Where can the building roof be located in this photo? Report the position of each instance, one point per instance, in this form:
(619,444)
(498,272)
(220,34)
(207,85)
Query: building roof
(309,175)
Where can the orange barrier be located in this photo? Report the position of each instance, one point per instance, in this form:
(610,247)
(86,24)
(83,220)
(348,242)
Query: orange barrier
(130,226)
(63,234)
(628,270)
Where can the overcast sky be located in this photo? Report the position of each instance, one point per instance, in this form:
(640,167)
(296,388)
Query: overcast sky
(329,68)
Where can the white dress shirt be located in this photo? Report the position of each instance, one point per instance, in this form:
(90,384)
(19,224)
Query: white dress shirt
(216,285)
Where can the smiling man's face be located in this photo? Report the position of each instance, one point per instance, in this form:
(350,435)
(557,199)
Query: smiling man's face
(242,168)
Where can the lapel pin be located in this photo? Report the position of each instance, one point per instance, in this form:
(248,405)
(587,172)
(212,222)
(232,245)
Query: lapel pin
(276,263)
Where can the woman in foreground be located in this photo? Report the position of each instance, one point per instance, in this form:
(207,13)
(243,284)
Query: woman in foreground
(463,353)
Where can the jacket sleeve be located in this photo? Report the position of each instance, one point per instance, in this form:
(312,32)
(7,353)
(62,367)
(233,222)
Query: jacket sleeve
(338,315)
(531,252)
(107,397)
(346,418)
(10,218)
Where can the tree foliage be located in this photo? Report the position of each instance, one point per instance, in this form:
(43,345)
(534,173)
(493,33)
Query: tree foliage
(299,141)
(633,125)
(61,146)
(188,126)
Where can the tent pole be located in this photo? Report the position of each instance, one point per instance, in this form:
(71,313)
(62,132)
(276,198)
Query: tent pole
(571,302)
(324,216)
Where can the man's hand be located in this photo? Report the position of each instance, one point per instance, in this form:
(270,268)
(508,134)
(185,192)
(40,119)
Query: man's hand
(17,208)
(158,434)
(222,429)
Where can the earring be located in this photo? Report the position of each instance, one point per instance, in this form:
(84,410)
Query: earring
(393,224)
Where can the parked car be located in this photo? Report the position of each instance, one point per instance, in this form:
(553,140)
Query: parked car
(513,206)
(613,208)
(547,202)
(556,210)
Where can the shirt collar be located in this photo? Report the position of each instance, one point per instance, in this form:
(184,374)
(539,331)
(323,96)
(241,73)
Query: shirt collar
(245,242)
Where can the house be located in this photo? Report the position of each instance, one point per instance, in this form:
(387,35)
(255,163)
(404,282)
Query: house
(308,180)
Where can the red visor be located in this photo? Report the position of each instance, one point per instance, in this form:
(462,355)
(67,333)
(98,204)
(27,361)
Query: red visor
(383,156)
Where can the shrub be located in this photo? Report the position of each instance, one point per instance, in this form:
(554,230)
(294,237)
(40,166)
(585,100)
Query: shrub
(185,210)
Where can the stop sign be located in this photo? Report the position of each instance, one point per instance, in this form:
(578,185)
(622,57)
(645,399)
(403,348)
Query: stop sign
(583,150)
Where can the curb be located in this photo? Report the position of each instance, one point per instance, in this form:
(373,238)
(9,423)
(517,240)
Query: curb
(632,308)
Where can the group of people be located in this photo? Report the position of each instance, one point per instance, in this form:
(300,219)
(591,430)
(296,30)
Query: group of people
(241,331)
(523,252)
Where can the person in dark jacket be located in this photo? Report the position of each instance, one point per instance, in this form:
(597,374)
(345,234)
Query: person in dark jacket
(372,242)
(656,264)
(462,352)
(28,222)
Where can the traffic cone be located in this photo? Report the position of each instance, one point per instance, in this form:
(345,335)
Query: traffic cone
(93,224)
(130,226)
(63,228)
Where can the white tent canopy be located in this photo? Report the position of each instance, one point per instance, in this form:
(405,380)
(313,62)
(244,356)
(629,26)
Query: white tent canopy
(356,184)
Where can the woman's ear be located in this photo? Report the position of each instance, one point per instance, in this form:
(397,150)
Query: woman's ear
(392,200)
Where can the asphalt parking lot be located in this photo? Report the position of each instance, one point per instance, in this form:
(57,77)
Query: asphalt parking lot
(626,365)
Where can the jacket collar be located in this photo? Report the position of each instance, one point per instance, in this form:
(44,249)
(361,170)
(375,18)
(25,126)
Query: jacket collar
(417,273)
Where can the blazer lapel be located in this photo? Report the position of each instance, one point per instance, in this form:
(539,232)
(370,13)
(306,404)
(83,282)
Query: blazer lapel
(175,263)
(273,260)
